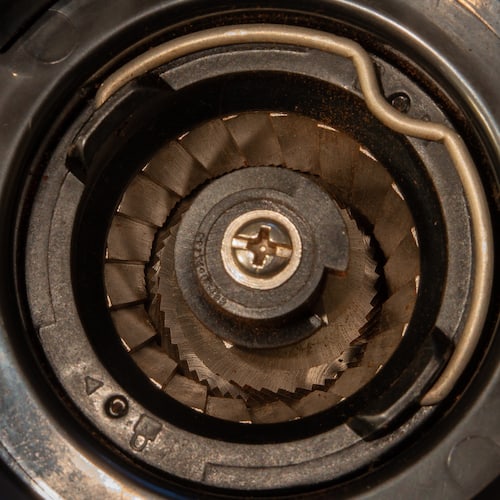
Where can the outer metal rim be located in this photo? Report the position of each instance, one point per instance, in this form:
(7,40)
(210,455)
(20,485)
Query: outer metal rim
(209,461)
(34,472)
(474,192)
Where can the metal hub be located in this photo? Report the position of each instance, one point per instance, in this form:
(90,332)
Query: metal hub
(261,249)
(256,243)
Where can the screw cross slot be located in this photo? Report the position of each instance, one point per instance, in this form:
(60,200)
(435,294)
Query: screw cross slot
(261,249)
(262,246)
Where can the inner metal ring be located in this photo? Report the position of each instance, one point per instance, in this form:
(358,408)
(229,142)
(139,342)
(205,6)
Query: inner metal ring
(234,268)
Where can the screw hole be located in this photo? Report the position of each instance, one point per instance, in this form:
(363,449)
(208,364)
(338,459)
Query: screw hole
(116,406)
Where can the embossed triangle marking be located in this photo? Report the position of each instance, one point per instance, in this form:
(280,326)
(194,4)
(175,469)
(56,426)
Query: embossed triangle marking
(92,385)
